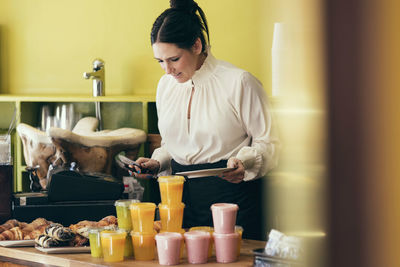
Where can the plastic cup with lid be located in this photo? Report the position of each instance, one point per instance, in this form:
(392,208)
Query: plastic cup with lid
(113,245)
(197,246)
(224,217)
(123,213)
(168,248)
(171,189)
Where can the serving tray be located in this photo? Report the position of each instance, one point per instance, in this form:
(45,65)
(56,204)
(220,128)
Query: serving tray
(18,243)
(204,173)
(64,250)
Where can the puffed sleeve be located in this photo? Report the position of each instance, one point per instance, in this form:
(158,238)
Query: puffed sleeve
(161,154)
(255,112)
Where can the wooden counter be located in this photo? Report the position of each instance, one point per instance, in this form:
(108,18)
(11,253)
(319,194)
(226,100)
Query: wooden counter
(32,257)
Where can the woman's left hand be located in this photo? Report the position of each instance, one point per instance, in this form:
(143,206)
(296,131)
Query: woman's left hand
(236,175)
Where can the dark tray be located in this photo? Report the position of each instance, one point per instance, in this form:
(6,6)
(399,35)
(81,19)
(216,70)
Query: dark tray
(65,213)
(75,186)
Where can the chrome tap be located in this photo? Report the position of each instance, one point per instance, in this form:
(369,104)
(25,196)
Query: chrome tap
(98,85)
(98,77)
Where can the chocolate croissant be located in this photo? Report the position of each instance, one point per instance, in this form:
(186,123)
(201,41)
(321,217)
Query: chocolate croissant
(46,241)
(59,232)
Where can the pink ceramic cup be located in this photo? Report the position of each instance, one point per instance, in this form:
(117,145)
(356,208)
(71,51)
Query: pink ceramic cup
(226,247)
(197,244)
(224,217)
(168,248)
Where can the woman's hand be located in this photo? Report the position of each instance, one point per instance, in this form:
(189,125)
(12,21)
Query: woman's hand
(236,175)
(148,167)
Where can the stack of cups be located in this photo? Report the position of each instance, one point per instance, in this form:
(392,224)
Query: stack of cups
(143,233)
(225,237)
(170,239)
(171,206)
(122,207)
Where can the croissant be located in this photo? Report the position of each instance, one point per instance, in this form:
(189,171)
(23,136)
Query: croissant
(6,235)
(39,222)
(27,229)
(110,220)
(79,241)
(17,233)
(82,224)
(8,225)
(14,233)
(35,233)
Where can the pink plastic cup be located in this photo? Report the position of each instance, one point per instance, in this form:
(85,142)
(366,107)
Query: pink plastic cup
(224,217)
(197,244)
(168,248)
(226,247)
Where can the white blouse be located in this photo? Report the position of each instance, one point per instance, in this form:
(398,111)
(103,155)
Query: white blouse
(229,117)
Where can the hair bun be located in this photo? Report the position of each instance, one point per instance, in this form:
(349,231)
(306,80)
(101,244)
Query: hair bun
(182,4)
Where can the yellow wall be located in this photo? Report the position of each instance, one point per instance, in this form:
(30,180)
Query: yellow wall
(46,45)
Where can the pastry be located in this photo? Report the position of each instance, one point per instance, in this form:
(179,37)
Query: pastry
(59,232)
(46,241)
(8,225)
(14,233)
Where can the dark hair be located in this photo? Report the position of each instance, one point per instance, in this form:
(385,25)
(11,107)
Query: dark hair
(181,25)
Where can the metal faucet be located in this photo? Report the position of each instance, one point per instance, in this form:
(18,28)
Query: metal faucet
(98,85)
(98,77)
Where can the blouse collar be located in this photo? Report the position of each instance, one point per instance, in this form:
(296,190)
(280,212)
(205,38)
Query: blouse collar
(203,74)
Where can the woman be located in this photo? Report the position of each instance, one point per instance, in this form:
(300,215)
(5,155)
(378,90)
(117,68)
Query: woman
(211,115)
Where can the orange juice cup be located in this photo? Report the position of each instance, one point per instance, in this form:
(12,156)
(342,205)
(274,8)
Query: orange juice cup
(123,213)
(144,245)
(171,188)
(182,232)
(142,217)
(113,245)
(171,216)
(206,229)
(239,230)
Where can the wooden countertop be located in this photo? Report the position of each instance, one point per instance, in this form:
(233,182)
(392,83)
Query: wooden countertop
(26,256)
